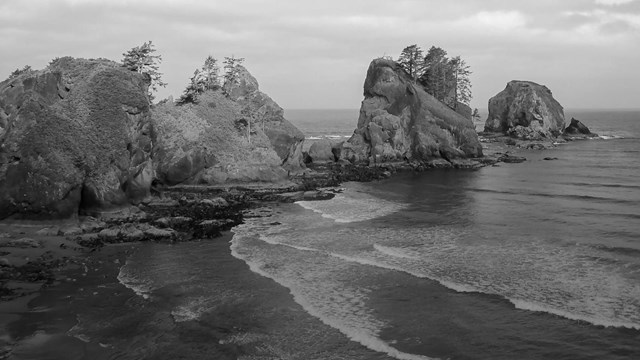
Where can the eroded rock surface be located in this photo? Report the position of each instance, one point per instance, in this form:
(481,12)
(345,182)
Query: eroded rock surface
(399,121)
(75,136)
(525,110)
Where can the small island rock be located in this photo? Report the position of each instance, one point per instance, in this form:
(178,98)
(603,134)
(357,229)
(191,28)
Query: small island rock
(399,121)
(525,110)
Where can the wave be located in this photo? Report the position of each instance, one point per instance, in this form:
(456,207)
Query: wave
(347,209)
(366,337)
(329,137)
(594,198)
(139,286)
(404,253)
(531,306)
(605,185)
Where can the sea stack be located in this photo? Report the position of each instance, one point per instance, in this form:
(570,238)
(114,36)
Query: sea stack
(75,136)
(399,121)
(233,134)
(525,110)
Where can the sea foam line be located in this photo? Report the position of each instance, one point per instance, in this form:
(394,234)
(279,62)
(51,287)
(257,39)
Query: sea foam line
(530,306)
(460,288)
(369,341)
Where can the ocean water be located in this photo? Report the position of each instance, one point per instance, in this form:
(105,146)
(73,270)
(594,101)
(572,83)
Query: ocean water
(539,260)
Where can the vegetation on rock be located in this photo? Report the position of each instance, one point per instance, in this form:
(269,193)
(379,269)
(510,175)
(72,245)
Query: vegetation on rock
(142,60)
(446,79)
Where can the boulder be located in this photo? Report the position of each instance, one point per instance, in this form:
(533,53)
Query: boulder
(400,121)
(525,110)
(321,151)
(75,137)
(577,129)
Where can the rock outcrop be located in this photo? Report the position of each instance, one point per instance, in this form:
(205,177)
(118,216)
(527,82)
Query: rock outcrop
(235,134)
(75,136)
(577,129)
(399,121)
(285,138)
(525,110)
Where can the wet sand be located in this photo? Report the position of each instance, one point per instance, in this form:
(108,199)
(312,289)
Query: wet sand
(89,314)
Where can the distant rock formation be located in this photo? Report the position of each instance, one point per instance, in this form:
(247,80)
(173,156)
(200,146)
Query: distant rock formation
(525,110)
(75,136)
(237,134)
(577,129)
(399,121)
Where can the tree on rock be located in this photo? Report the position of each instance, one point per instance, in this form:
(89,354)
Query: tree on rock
(17,72)
(232,69)
(460,81)
(203,79)
(210,73)
(434,77)
(141,59)
(412,61)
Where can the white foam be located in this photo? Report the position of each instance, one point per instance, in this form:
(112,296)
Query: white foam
(531,306)
(395,252)
(364,331)
(190,311)
(140,287)
(345,208)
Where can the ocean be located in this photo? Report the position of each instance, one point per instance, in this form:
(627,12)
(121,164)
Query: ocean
(538,260)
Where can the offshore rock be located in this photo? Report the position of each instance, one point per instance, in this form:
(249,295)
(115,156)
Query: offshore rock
(399,121)
(525,110)
(577,129)
(73,137)
(321,151)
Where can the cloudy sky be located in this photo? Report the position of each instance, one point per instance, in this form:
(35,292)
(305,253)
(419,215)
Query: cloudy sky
(314,54)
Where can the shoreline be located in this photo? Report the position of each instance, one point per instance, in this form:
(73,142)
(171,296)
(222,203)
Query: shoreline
(73,255)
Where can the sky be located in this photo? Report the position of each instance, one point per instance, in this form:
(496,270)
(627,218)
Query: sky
(315,54)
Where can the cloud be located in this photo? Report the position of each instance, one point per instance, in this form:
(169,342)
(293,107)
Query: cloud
(315,54)
(613,2)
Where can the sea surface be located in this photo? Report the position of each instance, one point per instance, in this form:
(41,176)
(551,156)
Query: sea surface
(538,260)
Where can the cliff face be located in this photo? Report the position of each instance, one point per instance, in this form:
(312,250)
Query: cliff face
(75,136)
(400,121)
(238,137)
(285,138)
(525,110)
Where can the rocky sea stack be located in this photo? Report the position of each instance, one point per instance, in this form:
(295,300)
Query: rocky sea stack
(79,137)
(399,121)
(74,135)
(234,134)
(525,110)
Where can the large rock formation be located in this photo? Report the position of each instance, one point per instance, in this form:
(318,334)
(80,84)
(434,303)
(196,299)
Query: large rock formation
(525,110)
(399,121)
(285,138)
(236,134)
(75,136)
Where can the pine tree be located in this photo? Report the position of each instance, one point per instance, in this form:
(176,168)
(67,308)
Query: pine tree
(412,61)
(231,69)
(210,73)
(434,76)
(460,81)
(142,60)
(203,79)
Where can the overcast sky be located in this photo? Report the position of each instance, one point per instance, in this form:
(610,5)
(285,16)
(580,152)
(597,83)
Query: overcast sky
(314,54)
